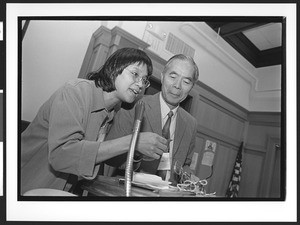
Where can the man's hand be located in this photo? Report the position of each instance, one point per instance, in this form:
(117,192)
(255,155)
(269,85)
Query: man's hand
(151,145)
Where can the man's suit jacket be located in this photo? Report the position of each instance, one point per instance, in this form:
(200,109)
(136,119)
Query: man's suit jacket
(184,140)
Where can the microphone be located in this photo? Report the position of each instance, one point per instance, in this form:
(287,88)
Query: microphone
(139,111)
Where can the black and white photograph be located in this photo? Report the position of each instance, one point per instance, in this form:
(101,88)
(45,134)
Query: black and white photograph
(1,142)
(177,110)
(2,85)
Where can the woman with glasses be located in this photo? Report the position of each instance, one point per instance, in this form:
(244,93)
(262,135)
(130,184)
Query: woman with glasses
(66,138)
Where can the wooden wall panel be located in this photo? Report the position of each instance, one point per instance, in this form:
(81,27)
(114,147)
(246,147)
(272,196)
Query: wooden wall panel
(275,186)
(272,170)
(264,130)
(222,168)
(258,135)
(235,129)
(199,149)
(251,173)
(97,51)
(221,123)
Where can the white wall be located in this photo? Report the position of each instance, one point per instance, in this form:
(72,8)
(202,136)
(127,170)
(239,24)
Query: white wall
(266,95)
(269,78)
(53,52)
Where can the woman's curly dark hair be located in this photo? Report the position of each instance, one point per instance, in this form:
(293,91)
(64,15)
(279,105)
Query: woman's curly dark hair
(105,77)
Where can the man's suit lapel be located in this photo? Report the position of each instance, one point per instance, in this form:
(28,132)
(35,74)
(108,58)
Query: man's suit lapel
(153,114)
(179,130)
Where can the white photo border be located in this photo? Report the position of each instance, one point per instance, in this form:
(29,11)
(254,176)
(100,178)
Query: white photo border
(150,211)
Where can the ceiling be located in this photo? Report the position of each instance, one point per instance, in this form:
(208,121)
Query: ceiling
(259,43)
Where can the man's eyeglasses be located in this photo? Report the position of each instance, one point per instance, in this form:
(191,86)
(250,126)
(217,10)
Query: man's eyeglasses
(137,78)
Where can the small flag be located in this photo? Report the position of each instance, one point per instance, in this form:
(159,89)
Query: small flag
(234,184)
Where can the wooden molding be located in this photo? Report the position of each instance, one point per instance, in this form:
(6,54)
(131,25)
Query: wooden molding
(217,136)
(265,118)
(218,100)
(117,31)
(98,46)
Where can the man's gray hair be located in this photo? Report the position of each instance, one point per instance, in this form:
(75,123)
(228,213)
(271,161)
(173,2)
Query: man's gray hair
(184,58)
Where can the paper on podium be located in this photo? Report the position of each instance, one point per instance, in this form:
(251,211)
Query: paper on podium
(150,180)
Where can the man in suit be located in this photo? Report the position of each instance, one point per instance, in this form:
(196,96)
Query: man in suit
(177,79)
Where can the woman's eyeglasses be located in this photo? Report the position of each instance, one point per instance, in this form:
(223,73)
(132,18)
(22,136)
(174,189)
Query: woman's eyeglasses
(137,78)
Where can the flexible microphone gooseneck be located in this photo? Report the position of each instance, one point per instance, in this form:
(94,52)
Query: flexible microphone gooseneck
(139,111)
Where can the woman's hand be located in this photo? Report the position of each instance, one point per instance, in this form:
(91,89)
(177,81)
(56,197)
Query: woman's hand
(151,145)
